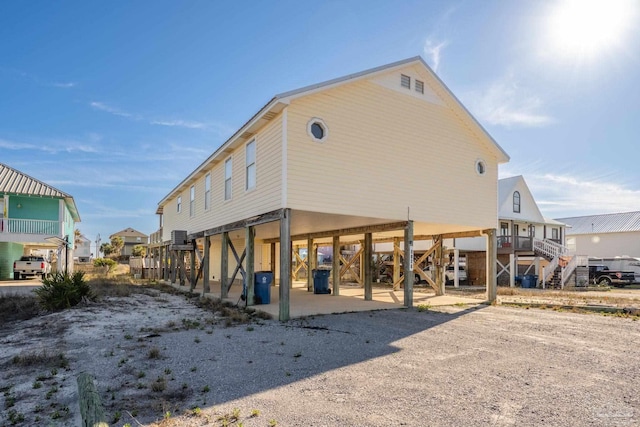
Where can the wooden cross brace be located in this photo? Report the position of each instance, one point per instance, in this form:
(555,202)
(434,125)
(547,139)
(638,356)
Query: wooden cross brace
(416,267)
(239,267)
(503,268)
(348,265)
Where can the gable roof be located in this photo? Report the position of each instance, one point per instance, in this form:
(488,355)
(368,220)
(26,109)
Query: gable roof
(15,182)
(528,211)
(128,232)
(604,223)
(280,101)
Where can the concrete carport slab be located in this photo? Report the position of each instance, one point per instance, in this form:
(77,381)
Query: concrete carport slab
(308,228)
(351,299)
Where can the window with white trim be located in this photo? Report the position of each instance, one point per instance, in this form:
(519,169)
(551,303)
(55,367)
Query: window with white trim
(516,201)
(317,129)
(179,207)
(228,172)
(250,163)
(207,191)
(192,200)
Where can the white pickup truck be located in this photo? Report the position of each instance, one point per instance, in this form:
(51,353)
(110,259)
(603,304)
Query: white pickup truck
(449,274)
(30,265)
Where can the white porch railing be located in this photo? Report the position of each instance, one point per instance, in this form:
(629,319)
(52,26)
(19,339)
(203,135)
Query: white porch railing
(30,226)
(549,248)
(547,271)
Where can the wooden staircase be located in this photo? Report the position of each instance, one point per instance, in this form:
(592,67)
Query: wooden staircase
(561,266)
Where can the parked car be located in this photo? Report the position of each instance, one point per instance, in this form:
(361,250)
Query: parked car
(449,274)
(601,275)
(30,266)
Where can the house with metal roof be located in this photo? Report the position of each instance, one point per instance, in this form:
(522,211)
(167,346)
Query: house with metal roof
(605,235)
(388,154)
(34,215)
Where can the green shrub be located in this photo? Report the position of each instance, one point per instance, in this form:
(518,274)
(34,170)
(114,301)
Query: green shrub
(61,290)
(105,262)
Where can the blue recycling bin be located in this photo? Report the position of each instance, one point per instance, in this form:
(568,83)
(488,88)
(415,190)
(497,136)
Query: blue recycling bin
(530,281)
(321,281)
(262,287)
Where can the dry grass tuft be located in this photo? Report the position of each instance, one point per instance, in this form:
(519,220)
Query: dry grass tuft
(18,307)
(43,358)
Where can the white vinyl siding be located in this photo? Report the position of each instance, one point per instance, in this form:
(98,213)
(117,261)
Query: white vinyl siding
(250,165)
(377,136)
(207,192)
(228,178)
(192,200)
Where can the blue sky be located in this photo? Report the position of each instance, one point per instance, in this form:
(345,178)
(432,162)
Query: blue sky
(115,102)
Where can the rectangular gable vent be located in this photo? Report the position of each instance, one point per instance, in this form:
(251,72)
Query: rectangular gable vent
(405,81)
(420,87)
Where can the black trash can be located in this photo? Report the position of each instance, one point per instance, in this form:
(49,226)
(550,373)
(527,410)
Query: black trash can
(262,287)
(321,281)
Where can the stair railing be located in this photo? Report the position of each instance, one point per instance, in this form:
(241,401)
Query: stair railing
(548,271)
(549,248)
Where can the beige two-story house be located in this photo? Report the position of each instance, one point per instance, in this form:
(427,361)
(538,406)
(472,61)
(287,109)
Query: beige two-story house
(384,154)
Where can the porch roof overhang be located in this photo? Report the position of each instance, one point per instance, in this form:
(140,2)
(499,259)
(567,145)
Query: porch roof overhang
(546,221)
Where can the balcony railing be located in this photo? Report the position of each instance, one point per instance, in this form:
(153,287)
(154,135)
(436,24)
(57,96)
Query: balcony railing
(156,237)
(519,243)
(30,226)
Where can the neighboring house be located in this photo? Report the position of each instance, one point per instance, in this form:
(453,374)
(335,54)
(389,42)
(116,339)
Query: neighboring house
(606,235)
(381,155)
(525,237)
(34,216)
(83,249)
(131,238)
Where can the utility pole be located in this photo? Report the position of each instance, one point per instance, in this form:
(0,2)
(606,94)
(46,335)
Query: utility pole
(98,246)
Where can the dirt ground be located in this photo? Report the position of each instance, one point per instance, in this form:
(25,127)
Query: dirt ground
(157,359)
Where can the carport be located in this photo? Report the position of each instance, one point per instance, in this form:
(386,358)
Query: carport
(278,230)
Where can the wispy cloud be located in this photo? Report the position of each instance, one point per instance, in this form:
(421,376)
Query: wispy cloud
(54,145)
(506,103)
(221,129)
(64,85)
(38,80)
(180,123)
(432,50)
(111,110)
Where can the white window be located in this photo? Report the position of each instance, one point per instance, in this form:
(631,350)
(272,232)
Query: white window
(207,191)
(179,204)
(405,81)
(250,162)
(228,171)
(554,234)
(419,86)
(192,201)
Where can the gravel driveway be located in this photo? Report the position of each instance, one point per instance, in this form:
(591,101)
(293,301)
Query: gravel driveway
(459,366)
